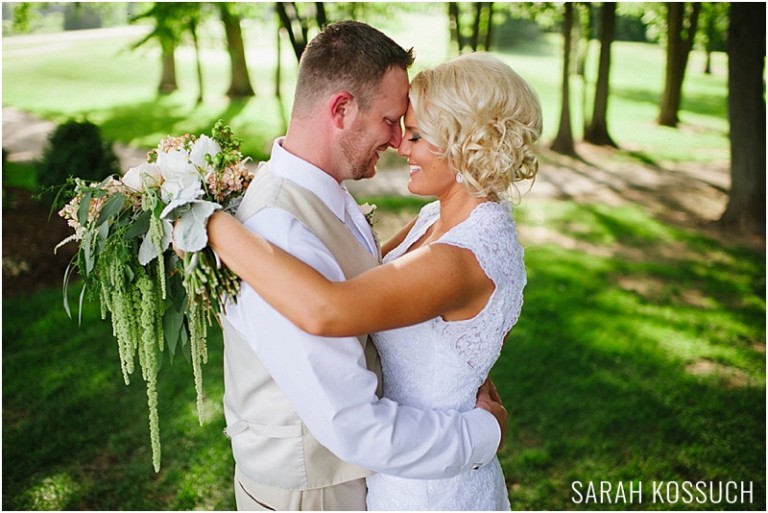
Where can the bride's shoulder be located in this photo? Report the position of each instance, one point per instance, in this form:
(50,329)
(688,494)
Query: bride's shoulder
(489,217)
(489,229)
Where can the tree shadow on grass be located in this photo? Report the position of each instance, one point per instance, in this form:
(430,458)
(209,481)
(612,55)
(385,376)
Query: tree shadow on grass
(161,117)
(674,195)
(598,378)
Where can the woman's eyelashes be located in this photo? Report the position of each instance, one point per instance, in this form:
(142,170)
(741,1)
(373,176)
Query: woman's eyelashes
(415,137)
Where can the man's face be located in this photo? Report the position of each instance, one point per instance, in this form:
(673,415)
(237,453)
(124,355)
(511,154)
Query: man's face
(377,128)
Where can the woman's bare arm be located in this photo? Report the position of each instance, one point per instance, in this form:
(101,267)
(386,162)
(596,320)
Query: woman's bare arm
(433,280)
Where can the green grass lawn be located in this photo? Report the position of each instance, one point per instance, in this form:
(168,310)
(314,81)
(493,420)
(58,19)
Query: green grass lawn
(645,364)
(75,437)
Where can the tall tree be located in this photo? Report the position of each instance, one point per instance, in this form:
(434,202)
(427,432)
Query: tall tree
(481,24)
(582,32)
(596,131)
(714,21)
(297,24)
(194,22)
(167,31)
(454,20)
(563,142)
(240,84)
(173,20)
(746,114)
(489,27)
(681,31)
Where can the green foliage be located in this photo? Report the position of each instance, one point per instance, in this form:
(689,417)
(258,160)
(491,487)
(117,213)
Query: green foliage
(76,149)
(81,15)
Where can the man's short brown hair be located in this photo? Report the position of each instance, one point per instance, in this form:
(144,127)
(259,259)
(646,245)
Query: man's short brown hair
(347,55)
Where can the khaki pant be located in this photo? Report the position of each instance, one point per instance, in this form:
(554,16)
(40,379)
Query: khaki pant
(252,496)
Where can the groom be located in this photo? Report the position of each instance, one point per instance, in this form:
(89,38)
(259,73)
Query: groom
(302,411)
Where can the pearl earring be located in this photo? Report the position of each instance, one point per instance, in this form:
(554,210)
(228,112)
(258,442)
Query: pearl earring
(459,178)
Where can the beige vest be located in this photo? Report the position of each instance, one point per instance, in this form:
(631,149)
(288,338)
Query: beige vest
(270,443)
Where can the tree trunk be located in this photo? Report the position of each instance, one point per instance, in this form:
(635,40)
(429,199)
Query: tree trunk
(746,114)
(475,41)
(455,25)
(678,49)
(709,30)
(193,31)
(322,18)
(597,130)
(563,142)
(580,39)
(489,30)
(291,20)
(278,66)
(240,86)
(168,82)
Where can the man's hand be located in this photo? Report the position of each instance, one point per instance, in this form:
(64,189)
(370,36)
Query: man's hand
(489,400)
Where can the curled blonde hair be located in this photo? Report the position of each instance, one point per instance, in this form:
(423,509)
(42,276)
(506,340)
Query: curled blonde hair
(483,118)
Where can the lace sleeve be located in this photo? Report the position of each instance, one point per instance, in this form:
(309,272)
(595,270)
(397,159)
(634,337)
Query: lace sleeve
(490,234)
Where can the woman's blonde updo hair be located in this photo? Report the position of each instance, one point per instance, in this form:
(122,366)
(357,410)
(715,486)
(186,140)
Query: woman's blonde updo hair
(484,119)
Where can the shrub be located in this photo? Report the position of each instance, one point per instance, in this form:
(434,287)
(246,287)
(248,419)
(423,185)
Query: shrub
(75,149)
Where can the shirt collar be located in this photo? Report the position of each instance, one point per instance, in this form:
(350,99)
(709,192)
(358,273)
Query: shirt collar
(321,184)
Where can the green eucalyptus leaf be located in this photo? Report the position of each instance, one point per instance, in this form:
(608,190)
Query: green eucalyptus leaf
(140,226)
(65,288)
(173,325)
(103,234)
(80,306)
(111,207)
(88,253)
(186,348)
(85,206)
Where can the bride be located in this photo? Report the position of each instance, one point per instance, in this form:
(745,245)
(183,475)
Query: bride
(451,285)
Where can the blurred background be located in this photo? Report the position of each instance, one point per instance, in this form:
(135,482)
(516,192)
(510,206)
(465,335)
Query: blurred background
(640,353)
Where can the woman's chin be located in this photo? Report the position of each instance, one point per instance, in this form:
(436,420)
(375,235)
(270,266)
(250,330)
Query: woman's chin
(415,189)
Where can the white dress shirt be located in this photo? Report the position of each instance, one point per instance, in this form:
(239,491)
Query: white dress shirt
(326,379)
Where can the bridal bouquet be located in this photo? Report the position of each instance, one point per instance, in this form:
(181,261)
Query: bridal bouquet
(157,301)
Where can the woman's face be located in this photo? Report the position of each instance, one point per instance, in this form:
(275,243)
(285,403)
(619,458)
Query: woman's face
(430,175)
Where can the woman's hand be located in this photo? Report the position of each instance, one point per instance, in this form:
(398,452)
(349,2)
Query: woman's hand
(488,399)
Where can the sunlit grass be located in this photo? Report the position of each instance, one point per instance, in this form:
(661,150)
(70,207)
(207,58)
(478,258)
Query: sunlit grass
(114,87)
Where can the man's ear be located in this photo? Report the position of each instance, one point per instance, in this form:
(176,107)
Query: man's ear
(343,109)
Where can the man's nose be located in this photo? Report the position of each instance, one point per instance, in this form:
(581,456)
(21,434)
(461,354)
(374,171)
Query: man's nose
(397,137)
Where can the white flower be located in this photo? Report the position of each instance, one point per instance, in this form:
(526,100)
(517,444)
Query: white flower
(144,175)
(202,147)
(191,230)
(368,210)
(181,180)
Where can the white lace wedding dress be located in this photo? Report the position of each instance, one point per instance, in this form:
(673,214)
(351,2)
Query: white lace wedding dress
(439,364)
